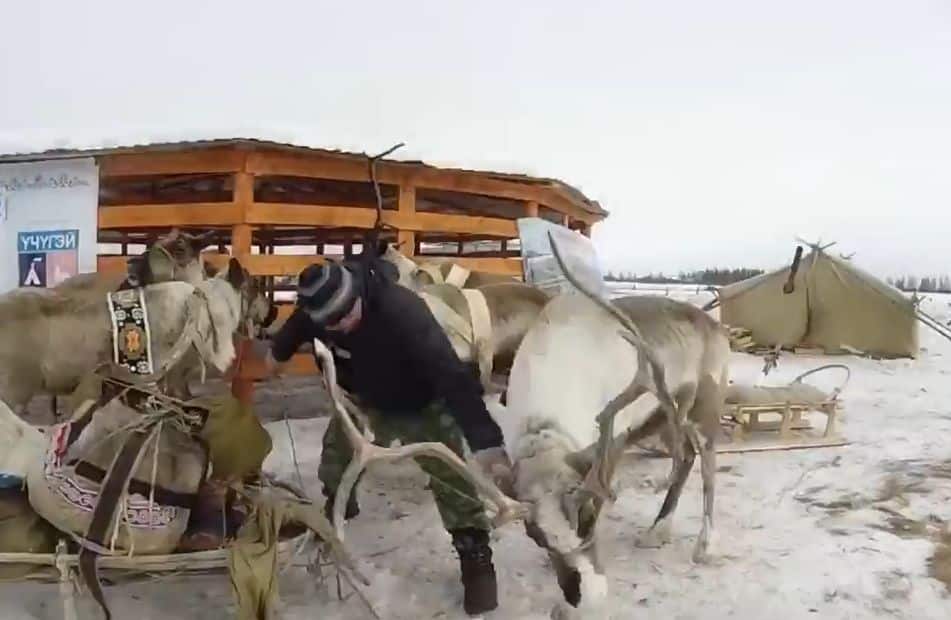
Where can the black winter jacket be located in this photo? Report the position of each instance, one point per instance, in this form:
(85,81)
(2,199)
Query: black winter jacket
(398,359)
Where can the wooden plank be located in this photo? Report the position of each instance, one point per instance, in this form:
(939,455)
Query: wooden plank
(279,264)
(241,241)
(168,215)
(243,198)
(774,443)
(330,216)
(111,264)
(502,266)
(407,206)
(352,169)
(292,264)
(171,162)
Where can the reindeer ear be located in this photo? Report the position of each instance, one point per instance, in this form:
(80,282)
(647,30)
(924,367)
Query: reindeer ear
(382,247)
(236,276)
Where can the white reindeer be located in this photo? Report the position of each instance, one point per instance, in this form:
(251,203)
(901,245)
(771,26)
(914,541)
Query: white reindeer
(575,379)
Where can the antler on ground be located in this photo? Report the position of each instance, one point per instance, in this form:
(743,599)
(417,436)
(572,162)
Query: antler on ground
(365,452)
(649,377)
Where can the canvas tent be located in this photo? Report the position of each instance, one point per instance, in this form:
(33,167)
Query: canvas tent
(833,305)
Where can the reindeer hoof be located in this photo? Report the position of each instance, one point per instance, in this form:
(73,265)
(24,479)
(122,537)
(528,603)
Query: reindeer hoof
(702,552)
(656,537)
(701,555)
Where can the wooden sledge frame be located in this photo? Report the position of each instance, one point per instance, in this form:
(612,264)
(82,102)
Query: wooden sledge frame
(745,419)
(66,565)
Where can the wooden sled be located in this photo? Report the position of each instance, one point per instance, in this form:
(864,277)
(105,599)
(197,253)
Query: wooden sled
(62,566)
(760,424)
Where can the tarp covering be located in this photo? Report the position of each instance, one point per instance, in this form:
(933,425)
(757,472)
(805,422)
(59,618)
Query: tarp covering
(834,306)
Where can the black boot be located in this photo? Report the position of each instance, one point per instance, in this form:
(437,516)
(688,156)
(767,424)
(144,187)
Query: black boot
(478,573)
(353,508)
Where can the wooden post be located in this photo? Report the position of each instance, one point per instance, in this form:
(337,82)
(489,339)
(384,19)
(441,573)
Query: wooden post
(242,386)
(407,205)
(531,209)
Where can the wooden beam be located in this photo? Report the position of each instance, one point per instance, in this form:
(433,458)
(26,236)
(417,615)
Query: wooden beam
(111,264)
(326,166)
(241,241)
(330,216)
(503,266)
(242,200)
(166,216)
(407,207)
(292,264)
(267,264)
(174,162)
(531,208)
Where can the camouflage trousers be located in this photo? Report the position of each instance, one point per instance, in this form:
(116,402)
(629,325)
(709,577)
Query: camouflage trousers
(456,499)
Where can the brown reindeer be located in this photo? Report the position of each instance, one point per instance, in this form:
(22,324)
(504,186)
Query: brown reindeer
(50,340)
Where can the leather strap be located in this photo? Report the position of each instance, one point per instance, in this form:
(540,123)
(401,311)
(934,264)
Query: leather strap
(103,515)
(458,275)
(481,319)
(433,271)
(163,496)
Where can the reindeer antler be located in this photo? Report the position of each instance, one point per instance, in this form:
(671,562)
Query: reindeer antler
(365,453)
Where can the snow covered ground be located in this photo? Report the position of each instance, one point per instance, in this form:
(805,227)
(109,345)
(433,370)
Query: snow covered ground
(823,533)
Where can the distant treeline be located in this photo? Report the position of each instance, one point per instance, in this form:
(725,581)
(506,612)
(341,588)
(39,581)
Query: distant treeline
(717,277)
(928,284)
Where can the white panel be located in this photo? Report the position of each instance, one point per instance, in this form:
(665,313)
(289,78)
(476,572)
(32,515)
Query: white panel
(48,228)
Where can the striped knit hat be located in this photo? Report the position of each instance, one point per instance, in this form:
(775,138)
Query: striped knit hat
(327,292)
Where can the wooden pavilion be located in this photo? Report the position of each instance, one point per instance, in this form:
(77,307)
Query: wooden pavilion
(266,197)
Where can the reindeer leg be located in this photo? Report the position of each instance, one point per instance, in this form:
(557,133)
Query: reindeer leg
(659,532)
(704,430)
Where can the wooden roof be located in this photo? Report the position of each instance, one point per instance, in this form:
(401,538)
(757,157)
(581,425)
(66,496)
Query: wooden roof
(564,190)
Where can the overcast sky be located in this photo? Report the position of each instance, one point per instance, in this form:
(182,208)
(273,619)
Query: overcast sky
(714,132)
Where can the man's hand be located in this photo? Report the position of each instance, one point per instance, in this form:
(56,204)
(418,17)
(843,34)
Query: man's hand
(497,466)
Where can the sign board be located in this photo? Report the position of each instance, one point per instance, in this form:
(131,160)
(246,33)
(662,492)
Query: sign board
(539,263)
(48,222)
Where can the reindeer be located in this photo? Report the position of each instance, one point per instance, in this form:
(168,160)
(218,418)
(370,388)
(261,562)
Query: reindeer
(176,256)
(485,323)
(50,341)
(571,365)
(415,274)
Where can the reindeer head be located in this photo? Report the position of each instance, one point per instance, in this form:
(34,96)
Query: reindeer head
(405,266)
(176,256)
(550,477)
(256,309)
